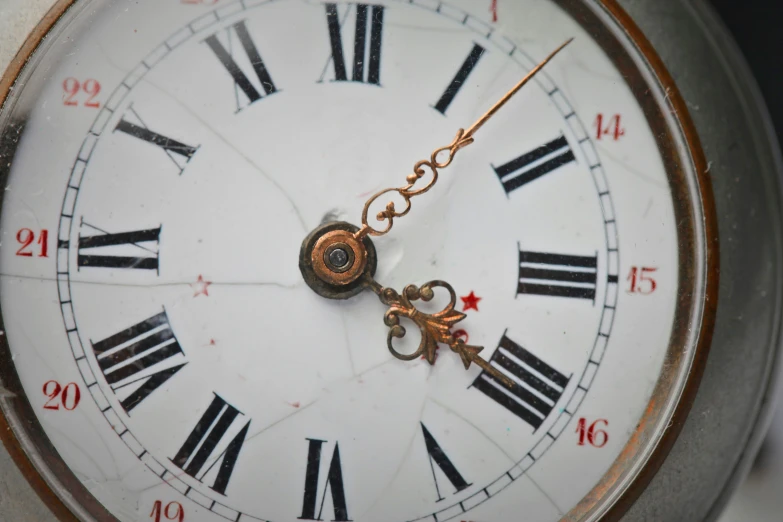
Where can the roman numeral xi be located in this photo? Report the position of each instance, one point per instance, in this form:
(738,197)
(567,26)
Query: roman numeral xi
(126,357)
(366,56)
(241,80)
(537,386)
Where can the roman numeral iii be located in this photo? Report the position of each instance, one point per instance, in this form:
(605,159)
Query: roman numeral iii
(333,483)
(241,80)
(131,250)
(366,56)
(537,386)
(125,357)
(202,445)
(557,275)
(535,164)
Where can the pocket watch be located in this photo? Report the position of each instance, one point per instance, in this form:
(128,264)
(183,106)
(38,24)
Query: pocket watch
(409,260)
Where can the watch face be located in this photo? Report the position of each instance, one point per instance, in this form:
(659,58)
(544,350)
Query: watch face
(163,163)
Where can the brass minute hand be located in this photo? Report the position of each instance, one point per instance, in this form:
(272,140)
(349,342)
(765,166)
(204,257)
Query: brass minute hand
(463,139)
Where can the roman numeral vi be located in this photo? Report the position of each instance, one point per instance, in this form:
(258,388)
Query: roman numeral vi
(537,386)
(123,356)
(334,482)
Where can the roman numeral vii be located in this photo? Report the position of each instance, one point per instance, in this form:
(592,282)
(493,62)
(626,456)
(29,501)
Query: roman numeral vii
(202,444)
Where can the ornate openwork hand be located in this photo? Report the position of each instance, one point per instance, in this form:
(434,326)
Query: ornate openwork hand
(435,328)
(463,139)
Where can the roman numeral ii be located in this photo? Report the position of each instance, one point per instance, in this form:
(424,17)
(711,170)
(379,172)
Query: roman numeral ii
(537,386)
(131,250)
(365,56)
(535,164)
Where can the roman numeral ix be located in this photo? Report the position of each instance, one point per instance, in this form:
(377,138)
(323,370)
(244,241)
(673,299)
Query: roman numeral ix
(366,56)
(333,482)
(537,386)
(440,459)
(532,165)
(558,275)
(112,250)
(202,444)
(241,81)
(179,153)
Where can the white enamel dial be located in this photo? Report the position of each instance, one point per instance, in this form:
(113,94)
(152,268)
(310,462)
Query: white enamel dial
(175,154)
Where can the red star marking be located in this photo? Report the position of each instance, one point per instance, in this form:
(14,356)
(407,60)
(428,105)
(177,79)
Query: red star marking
(200,287)
(471,302)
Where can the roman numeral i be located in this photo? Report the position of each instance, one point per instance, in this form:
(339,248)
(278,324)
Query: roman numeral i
(459,79)
(537,386)
(125,356)
(365,56)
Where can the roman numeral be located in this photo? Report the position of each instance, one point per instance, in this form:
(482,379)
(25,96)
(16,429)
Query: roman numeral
(334,482)
(532,165)
(363,54)
(125,355)
(537,386)
(557,275)
(459,80)
(117,247)
(179,153)
(208,433)
(439,458)
(241,81)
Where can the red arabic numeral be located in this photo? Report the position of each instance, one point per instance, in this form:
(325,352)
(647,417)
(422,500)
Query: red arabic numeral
(172,511)
(641,280)
(613,127)
(494,8)
(25,237)
(68,397)
(593,435)
(93,88)
(71,86)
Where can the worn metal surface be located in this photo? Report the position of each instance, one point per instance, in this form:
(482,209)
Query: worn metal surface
(718,440)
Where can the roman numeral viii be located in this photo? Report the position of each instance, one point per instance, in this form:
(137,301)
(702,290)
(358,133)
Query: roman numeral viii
(557,275)
(132,250)
(203,441)
(178,152)
(537,386)
(440,459)
(241,80)
(333,482)
(532,165)
(125,357)
(366,56)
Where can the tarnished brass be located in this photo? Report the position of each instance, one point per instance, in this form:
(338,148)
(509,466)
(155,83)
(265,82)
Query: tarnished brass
(462,139)
(435,328)
(351,271)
